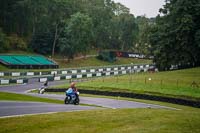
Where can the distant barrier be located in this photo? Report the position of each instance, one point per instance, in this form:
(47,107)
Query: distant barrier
(13,81)
(75,70)
(67,74)
(100,72)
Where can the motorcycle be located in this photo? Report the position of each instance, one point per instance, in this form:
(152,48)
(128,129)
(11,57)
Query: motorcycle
(72,98)
(42,90)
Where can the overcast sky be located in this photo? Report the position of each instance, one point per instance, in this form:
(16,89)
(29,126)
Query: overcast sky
(140,7)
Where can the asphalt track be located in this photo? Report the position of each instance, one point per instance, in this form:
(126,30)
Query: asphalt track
(13,108)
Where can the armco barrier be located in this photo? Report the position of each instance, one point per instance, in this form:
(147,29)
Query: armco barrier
(78,73)
(13,81)
(88,75)
(179,101)
(75,71)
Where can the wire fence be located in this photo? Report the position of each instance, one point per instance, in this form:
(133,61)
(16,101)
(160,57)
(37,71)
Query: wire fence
(145,81)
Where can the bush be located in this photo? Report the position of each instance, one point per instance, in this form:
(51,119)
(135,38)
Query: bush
(17,42)
(4,45)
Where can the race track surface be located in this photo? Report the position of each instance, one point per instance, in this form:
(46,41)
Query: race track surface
(11,108)
(19,108)
(104,102)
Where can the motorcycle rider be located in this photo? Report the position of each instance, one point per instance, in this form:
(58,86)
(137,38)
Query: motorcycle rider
(46,84)
(72,90)
(42,89)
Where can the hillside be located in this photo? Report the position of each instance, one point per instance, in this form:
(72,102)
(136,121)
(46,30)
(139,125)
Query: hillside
(93,61)
(178,84)
(90,61)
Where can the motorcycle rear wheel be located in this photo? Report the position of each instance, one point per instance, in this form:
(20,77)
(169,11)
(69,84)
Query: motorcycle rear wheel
(67,100)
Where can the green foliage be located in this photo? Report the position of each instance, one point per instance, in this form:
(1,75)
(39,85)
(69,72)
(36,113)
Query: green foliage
(175,36)
(48,23)
(124,32)
(101,13)
(19,97)
(80,32)
(3,42)
(144,26)
(77,35)
(42,42)
(17,43)
(50,26)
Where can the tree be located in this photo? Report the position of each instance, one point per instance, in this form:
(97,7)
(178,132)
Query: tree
(39,24)
(3,42)
(49,27)
(42,41)
(77,35)
(144,26)
(101,13)
(174,34)
(59,11)
(121,9)
(128,31)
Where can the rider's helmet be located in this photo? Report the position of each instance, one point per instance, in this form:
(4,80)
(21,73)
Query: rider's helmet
(72,85)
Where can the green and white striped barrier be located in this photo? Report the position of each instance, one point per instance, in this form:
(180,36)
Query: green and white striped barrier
(92,75)
(13,81)
(75,71)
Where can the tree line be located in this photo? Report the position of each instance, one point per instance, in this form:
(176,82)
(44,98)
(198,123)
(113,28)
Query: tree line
(67,26)
(70,27)
(175,37)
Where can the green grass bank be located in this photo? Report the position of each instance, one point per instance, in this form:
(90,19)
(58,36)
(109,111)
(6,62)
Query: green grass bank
(108,121)
(177,84)
(20,97)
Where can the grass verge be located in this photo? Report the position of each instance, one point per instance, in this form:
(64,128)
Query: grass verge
(108,121)
(177,84)
(3,68)
(21,97)
(93,61)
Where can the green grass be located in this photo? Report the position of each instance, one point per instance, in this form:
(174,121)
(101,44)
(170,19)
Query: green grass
(172,84)
(93,61)
(88,62)
(3,68)
(186,120)
(20,97)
